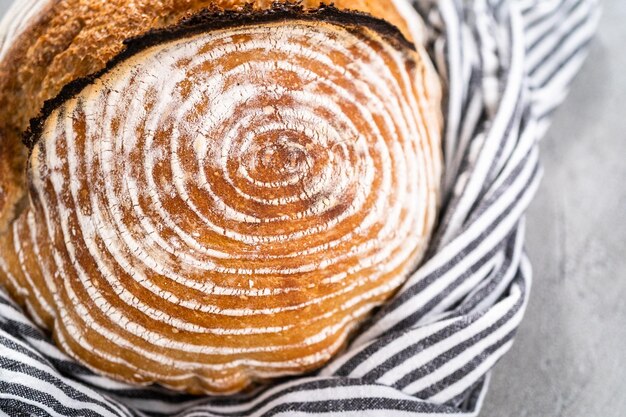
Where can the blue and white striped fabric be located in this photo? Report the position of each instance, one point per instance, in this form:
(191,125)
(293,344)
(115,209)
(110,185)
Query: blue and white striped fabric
(507,65)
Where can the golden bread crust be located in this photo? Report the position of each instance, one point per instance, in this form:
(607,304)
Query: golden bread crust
(205,216)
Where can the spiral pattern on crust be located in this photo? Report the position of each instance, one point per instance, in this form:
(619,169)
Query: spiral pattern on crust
(225,206)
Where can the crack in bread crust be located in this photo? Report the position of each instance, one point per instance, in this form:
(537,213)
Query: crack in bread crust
(215,18)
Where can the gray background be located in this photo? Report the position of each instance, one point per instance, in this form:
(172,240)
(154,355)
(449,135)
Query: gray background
(570,355)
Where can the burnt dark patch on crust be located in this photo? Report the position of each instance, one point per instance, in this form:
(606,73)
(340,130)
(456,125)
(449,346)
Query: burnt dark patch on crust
(215,18)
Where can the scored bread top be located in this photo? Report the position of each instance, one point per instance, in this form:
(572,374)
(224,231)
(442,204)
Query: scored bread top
(229,198)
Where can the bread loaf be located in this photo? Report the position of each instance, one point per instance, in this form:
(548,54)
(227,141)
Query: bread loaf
(218,200)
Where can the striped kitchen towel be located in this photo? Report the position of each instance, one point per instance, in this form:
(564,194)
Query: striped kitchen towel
(507,64)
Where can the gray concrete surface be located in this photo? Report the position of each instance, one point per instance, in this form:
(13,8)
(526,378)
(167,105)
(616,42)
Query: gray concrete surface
(570,355)
(569,358)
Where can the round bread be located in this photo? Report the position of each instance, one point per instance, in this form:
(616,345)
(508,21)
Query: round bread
(225,199)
